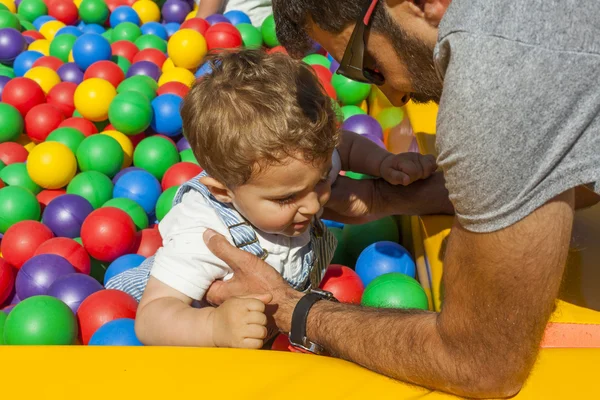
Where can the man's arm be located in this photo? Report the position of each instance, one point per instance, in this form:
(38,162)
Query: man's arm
(500,290)
(207,8)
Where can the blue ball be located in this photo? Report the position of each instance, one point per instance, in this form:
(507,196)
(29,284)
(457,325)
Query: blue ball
(154,28)
(171,28)
(204,69)
(167,118)
(139,186)
(69,30)
(89,48)
(24,61)
(39,21)
(332,224)
(121,264)
(119,332)
(123,14)
(93,28)
(382,258)
(237,17)
(81,25)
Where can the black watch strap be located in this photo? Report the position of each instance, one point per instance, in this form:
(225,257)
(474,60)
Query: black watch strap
(300,316)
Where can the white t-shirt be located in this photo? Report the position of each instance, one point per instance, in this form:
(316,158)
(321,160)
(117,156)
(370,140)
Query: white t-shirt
(257,10)
(188,266)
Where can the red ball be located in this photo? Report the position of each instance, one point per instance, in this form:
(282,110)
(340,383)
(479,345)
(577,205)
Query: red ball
(22,240)
(125,49)
(136,139)
(112,4)
(196,24)
(41,120)
(344,283)
(179,173)
(108,233)
(102,307)
(176,88)
(23,94)
(329,90)
(64,11)
(147,242)
(153,55)
(69,249)
(48,61)
(33,34)
(7,280)
(223,36)
(277,49)
(323,73)
(81,124)
(107,70)
(61,97)
(11,152)
(47,195)
(281,343)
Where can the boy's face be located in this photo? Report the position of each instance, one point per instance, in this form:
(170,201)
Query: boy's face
(283,198)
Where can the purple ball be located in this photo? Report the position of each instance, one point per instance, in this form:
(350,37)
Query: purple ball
(65,214)
(39,273)
(375,139)
(144,68)
(363,124)
(3,81)
(216,18)
(123,172)
(175,11)
(72,289)
(14,300)
(29,39)
(183,144)
(70,72)
(8,309)
(334,66)
(12,43)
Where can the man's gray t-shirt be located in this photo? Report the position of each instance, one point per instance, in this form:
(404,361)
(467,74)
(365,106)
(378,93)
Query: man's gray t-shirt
(519,118)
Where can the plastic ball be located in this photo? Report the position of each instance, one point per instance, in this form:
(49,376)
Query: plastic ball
(120,332)
(93,11)
(130,113)
(165,202)
(50,28)
(81,124)
(177,74)
(39,272)
(133,209)
(100,153)
(152,55)
(12,43)
(48,61)
(175,11)
(21,241)
(156,155)
(176,88)
(151,42)
(223,36)
(251,36)
(41,120)
(154,28)
(41,46)
(141,187)
(187,155)
(3,81)
(123,14)
(121,62)
(196,24)
(105,70)
(7,282)
(126,146)
(9,20)
(47,195)
(187,48)
(349,91)
(61,46)
(40,320)
(24,62)
(73,289)
(237,17)
(70,72)
(390,117)
(61,96)
(11,122)
(363,125)
(395,290)
(350,111)
(145,68)
(16,175)
(65,215)
(126,31)
(126,170)
(51,165)
(268,32)
(382,258)
(89,48)
(93,98)
(64,11)
(92,185)
(173,27)
(32,9)
(44,76)
(102,307)
(217,19)
(124,48)
(344,283)
(147,11)
(108,233)
(166,115)
(72,251)
(179,174)
(95,29)
(32,35)
(148,241)
(69,30)
(143,84)
(122,264)
(11,152)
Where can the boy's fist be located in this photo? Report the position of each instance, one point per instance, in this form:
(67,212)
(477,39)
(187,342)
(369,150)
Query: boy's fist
(405,168)
(241,322)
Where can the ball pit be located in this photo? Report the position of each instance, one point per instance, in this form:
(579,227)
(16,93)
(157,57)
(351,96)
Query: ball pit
(22,239)
(120,332)
(39,273)
(70,250)
(94,186)
(17,204)
(65,215)
(7,280)
(73,289)
(102,307)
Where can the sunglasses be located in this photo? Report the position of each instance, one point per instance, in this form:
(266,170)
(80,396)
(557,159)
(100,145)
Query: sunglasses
(352,65)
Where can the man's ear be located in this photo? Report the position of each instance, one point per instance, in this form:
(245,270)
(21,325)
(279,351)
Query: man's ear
(430,10)
(217,189)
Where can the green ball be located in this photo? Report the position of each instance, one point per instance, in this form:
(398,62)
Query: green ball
(17,204)
(268,32)
(156,155)
(394,290)
(61,46)
(93,11)
(11,122)
(350,111)
(100,153)
(340,256)
(32,9)
(317,59)
(133,209)
(9,20)
(187,155)
(68,136)
(151,42)
(100,125)
(251,36)
(16,175)
(165,202)
(122,63)
(359,237)
(108,35)
(93,186)
(129,112)
(98,269)
(3,7)
(350,92)
(3,317)
(26,25)
(126,31)
(390,117)
(41,320)
(7,71)
(139,83)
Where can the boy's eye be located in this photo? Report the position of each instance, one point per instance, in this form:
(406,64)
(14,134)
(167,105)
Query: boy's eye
(286,200)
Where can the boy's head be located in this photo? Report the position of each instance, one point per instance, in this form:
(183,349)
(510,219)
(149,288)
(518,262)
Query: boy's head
(264,130)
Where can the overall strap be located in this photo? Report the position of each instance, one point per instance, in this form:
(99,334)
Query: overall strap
(243,234)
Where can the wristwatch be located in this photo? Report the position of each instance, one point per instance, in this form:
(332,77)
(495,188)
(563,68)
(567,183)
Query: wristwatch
(298,337)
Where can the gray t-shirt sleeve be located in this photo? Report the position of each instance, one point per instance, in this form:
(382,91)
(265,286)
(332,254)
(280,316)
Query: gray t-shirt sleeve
(518,125)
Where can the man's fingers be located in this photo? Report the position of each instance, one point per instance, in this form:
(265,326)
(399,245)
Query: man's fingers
(259,305)
(227,252)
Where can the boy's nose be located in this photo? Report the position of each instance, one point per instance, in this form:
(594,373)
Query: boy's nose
(311,205)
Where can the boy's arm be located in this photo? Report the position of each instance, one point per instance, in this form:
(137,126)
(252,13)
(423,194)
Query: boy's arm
(361,155)
(208,7)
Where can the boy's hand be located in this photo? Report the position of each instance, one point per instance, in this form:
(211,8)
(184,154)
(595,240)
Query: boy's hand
(405,168)
(241,322)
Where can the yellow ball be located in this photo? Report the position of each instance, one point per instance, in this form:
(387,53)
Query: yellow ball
(71,59)
(92,98)
(77,3)
(51,165)
(50,28)
(46,77)
(147,10)
(177,75)
(40,45)
(364,106)
(191,15)
(187,48)
(26,142)
(10,4)
(126,145)
(167,65)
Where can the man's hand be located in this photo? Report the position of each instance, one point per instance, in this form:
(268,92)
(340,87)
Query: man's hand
(241,322)
(405,168)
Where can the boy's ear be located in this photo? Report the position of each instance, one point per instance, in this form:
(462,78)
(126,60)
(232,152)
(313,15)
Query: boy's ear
(217,189)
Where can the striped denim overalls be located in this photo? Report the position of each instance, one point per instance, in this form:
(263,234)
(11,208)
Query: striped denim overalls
(315,262)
